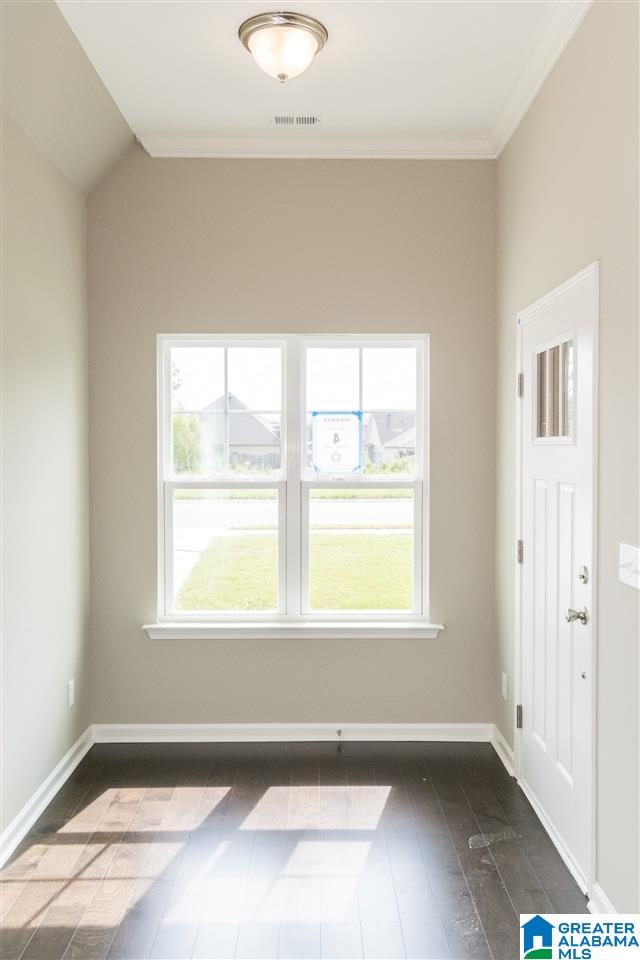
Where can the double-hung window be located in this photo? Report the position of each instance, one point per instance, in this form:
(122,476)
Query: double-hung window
(292,485)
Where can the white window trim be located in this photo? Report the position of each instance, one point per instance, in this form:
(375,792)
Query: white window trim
(292,621)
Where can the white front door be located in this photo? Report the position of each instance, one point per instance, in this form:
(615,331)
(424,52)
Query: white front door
(558,340)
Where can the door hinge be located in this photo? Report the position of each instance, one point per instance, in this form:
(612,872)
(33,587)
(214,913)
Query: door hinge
(519,551)
(520,386)
(519,717)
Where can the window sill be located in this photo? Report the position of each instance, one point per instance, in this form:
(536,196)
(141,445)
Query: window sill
(327,630)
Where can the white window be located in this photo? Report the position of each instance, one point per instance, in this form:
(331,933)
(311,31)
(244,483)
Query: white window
(292,485)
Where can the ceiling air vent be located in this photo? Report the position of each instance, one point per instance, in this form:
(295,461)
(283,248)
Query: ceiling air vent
(291,120)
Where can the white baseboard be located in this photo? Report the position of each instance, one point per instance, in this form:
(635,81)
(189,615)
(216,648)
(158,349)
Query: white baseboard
(599,901)
(555,838)
(503,750)
(25,818)
(285,732)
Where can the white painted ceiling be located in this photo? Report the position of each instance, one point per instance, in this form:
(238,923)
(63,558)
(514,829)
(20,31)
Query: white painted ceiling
(396,77)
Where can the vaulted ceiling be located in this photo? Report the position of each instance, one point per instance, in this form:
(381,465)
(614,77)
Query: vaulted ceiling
(51,90)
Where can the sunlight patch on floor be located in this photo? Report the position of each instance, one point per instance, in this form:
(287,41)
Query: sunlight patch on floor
(318,808)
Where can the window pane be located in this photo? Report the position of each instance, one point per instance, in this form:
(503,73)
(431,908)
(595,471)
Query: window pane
(198,441)
(197,378)
(333,378)
(389,378)
(199,444)
(553,415)
(254,444)
(255,377)
(361,549)
(389,443)
(555,406)
(225,550)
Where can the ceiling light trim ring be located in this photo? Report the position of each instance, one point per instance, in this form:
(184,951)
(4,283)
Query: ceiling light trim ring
(284,19)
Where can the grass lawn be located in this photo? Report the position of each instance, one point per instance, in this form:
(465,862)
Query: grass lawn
(361,571)
(233,573)
(347,572)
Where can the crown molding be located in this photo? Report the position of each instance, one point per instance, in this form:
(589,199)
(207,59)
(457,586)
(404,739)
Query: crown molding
(564,20)
(312,145)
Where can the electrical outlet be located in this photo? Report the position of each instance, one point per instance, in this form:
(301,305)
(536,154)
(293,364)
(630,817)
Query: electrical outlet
(504,686)
(71,692)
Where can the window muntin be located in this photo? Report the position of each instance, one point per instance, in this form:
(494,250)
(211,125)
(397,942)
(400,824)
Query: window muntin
(274,384)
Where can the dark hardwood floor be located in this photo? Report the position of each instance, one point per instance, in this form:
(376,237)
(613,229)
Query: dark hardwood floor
(425,850)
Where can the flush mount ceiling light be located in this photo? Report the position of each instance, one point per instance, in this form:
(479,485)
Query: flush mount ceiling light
(283,44)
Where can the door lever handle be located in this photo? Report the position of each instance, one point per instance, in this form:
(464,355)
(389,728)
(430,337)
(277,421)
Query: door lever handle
(580,615)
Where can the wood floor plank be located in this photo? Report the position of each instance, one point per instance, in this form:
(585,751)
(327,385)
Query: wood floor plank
(341,941)
(491,899)
(25,916)
(522,883)
(216,941)
(423,942)
(417,906)
(461,922)
(299,941)
(382,940)
(568,901)
(180,921)
(51,940)
(257,941)
(10,890)
(137,931)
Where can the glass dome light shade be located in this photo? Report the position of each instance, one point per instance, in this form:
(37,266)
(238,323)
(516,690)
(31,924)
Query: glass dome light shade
(283,52)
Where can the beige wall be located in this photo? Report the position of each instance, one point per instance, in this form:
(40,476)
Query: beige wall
(286,246)
(568,195)
(44,468)
(51,90)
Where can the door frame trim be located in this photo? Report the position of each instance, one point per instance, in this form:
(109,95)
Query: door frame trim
(588,276)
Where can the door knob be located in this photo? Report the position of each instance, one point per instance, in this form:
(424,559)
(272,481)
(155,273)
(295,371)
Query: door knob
(580,615)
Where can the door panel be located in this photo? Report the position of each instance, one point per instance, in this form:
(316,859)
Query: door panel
(566,565)
(540,632)
(557,349)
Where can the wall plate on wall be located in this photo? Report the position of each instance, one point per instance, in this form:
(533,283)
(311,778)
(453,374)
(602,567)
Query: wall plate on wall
(629,565)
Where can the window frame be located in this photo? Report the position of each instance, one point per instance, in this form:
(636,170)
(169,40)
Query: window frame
(294,488)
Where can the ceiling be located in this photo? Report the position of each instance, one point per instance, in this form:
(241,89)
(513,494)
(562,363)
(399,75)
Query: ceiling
(422,78)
